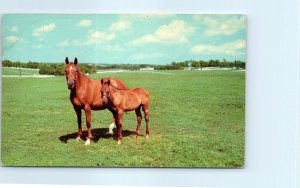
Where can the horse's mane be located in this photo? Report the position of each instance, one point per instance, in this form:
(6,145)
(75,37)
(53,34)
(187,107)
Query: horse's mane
(81,73)
(116,88)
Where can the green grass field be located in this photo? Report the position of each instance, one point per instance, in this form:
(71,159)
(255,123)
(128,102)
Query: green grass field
(16,71)
(197,119)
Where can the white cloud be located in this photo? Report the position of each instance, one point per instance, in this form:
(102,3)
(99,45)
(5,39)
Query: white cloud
(14,39)
(222,24)
(38,32)
(93,37)
(120,25)
(85,23)
(146,39)
(234,48)
(176,32)
(97,37)
(14,29)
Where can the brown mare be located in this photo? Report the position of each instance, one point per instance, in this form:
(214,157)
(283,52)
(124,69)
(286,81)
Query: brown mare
(85,94)
(120,101)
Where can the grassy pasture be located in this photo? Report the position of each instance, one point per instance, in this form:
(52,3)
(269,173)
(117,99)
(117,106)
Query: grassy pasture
(196,120)
(16,71)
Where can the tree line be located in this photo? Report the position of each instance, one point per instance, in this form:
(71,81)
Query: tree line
(58,68)
(178,65)
(202,64)
(48,68)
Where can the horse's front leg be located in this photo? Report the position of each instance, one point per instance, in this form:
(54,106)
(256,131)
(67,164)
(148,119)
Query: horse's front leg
(78,113)
(88,124)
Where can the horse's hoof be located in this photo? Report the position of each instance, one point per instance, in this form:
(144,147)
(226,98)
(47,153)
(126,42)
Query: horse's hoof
(119,142)
(87,142)
(111,132)
(147,136)
(134,136)
(78,138)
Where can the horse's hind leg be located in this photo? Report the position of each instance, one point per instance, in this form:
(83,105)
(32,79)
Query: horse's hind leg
(146,112)
(139,120)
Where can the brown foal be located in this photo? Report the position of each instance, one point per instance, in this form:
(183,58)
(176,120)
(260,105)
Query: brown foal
(120,101)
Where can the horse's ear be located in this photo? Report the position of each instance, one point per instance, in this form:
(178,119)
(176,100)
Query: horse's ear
(108,82)
(75,61)
(67,60)
(102,81)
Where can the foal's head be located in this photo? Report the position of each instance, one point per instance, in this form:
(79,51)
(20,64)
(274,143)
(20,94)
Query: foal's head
(105,91)
(71,71)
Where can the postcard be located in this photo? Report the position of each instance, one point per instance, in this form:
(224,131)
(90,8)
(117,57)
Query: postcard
(123,90)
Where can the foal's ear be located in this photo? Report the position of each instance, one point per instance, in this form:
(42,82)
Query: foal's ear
(75,61)
(102,81)
(67,60)
(108,82)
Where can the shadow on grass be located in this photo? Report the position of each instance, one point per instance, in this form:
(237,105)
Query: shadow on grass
(99,133)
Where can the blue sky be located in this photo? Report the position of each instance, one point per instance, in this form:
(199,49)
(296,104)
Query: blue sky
(123,38)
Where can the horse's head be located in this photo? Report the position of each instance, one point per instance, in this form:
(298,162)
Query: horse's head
(71,71)
(105,91)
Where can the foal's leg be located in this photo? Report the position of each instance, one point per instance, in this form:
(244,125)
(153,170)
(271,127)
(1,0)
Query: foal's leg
(139,120)
(115,114)
(112,126)
(88,124)
(119,126)
(78,113)
(146,111)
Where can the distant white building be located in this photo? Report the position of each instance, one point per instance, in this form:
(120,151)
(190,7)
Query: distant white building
(147,69)
(188,68)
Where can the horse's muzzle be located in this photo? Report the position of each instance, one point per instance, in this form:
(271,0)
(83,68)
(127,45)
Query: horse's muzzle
(71,84)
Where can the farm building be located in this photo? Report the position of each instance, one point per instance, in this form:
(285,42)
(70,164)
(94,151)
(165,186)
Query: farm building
(147,69)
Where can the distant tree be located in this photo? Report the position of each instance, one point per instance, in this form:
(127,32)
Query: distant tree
(7,63)
(211,63)
(60,69)
(195,64)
